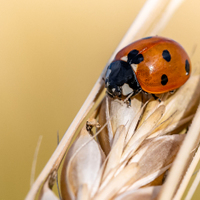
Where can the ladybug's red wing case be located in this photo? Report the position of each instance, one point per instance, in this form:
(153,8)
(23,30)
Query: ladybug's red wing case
(140,45)
(159,64)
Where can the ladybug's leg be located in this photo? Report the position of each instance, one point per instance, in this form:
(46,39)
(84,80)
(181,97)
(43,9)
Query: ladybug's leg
(128,98)
(129,102)
(155,97)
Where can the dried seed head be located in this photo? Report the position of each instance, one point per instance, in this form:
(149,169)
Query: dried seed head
(136,152)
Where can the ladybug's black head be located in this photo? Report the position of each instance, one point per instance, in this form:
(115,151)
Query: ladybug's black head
(121,80)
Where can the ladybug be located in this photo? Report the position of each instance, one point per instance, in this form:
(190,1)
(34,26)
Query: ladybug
(153,65)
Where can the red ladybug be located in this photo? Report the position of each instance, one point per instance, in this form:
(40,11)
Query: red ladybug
(153,64)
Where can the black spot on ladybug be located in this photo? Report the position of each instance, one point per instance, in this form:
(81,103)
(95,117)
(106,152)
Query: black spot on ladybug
(145,38)
(164,79)
(166,55)
(187,67)
(134,57)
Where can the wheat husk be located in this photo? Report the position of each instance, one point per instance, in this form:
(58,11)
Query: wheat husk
(188,175)
(147,193)
(184,157)
(81,167)
(46,193)
(113,112)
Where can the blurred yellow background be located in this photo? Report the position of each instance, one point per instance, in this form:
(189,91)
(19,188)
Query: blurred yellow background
(51,54)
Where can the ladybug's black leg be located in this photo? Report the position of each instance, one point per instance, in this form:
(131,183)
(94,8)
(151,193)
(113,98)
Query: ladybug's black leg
(155,97)
(129,102)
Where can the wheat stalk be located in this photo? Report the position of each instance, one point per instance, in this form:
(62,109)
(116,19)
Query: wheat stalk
(125,168)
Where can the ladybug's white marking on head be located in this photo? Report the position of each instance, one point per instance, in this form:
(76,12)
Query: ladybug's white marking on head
(126,89)
(134,67)
(124,58)
(113,90)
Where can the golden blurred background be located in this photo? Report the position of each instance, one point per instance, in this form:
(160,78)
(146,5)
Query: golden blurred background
(51,54)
